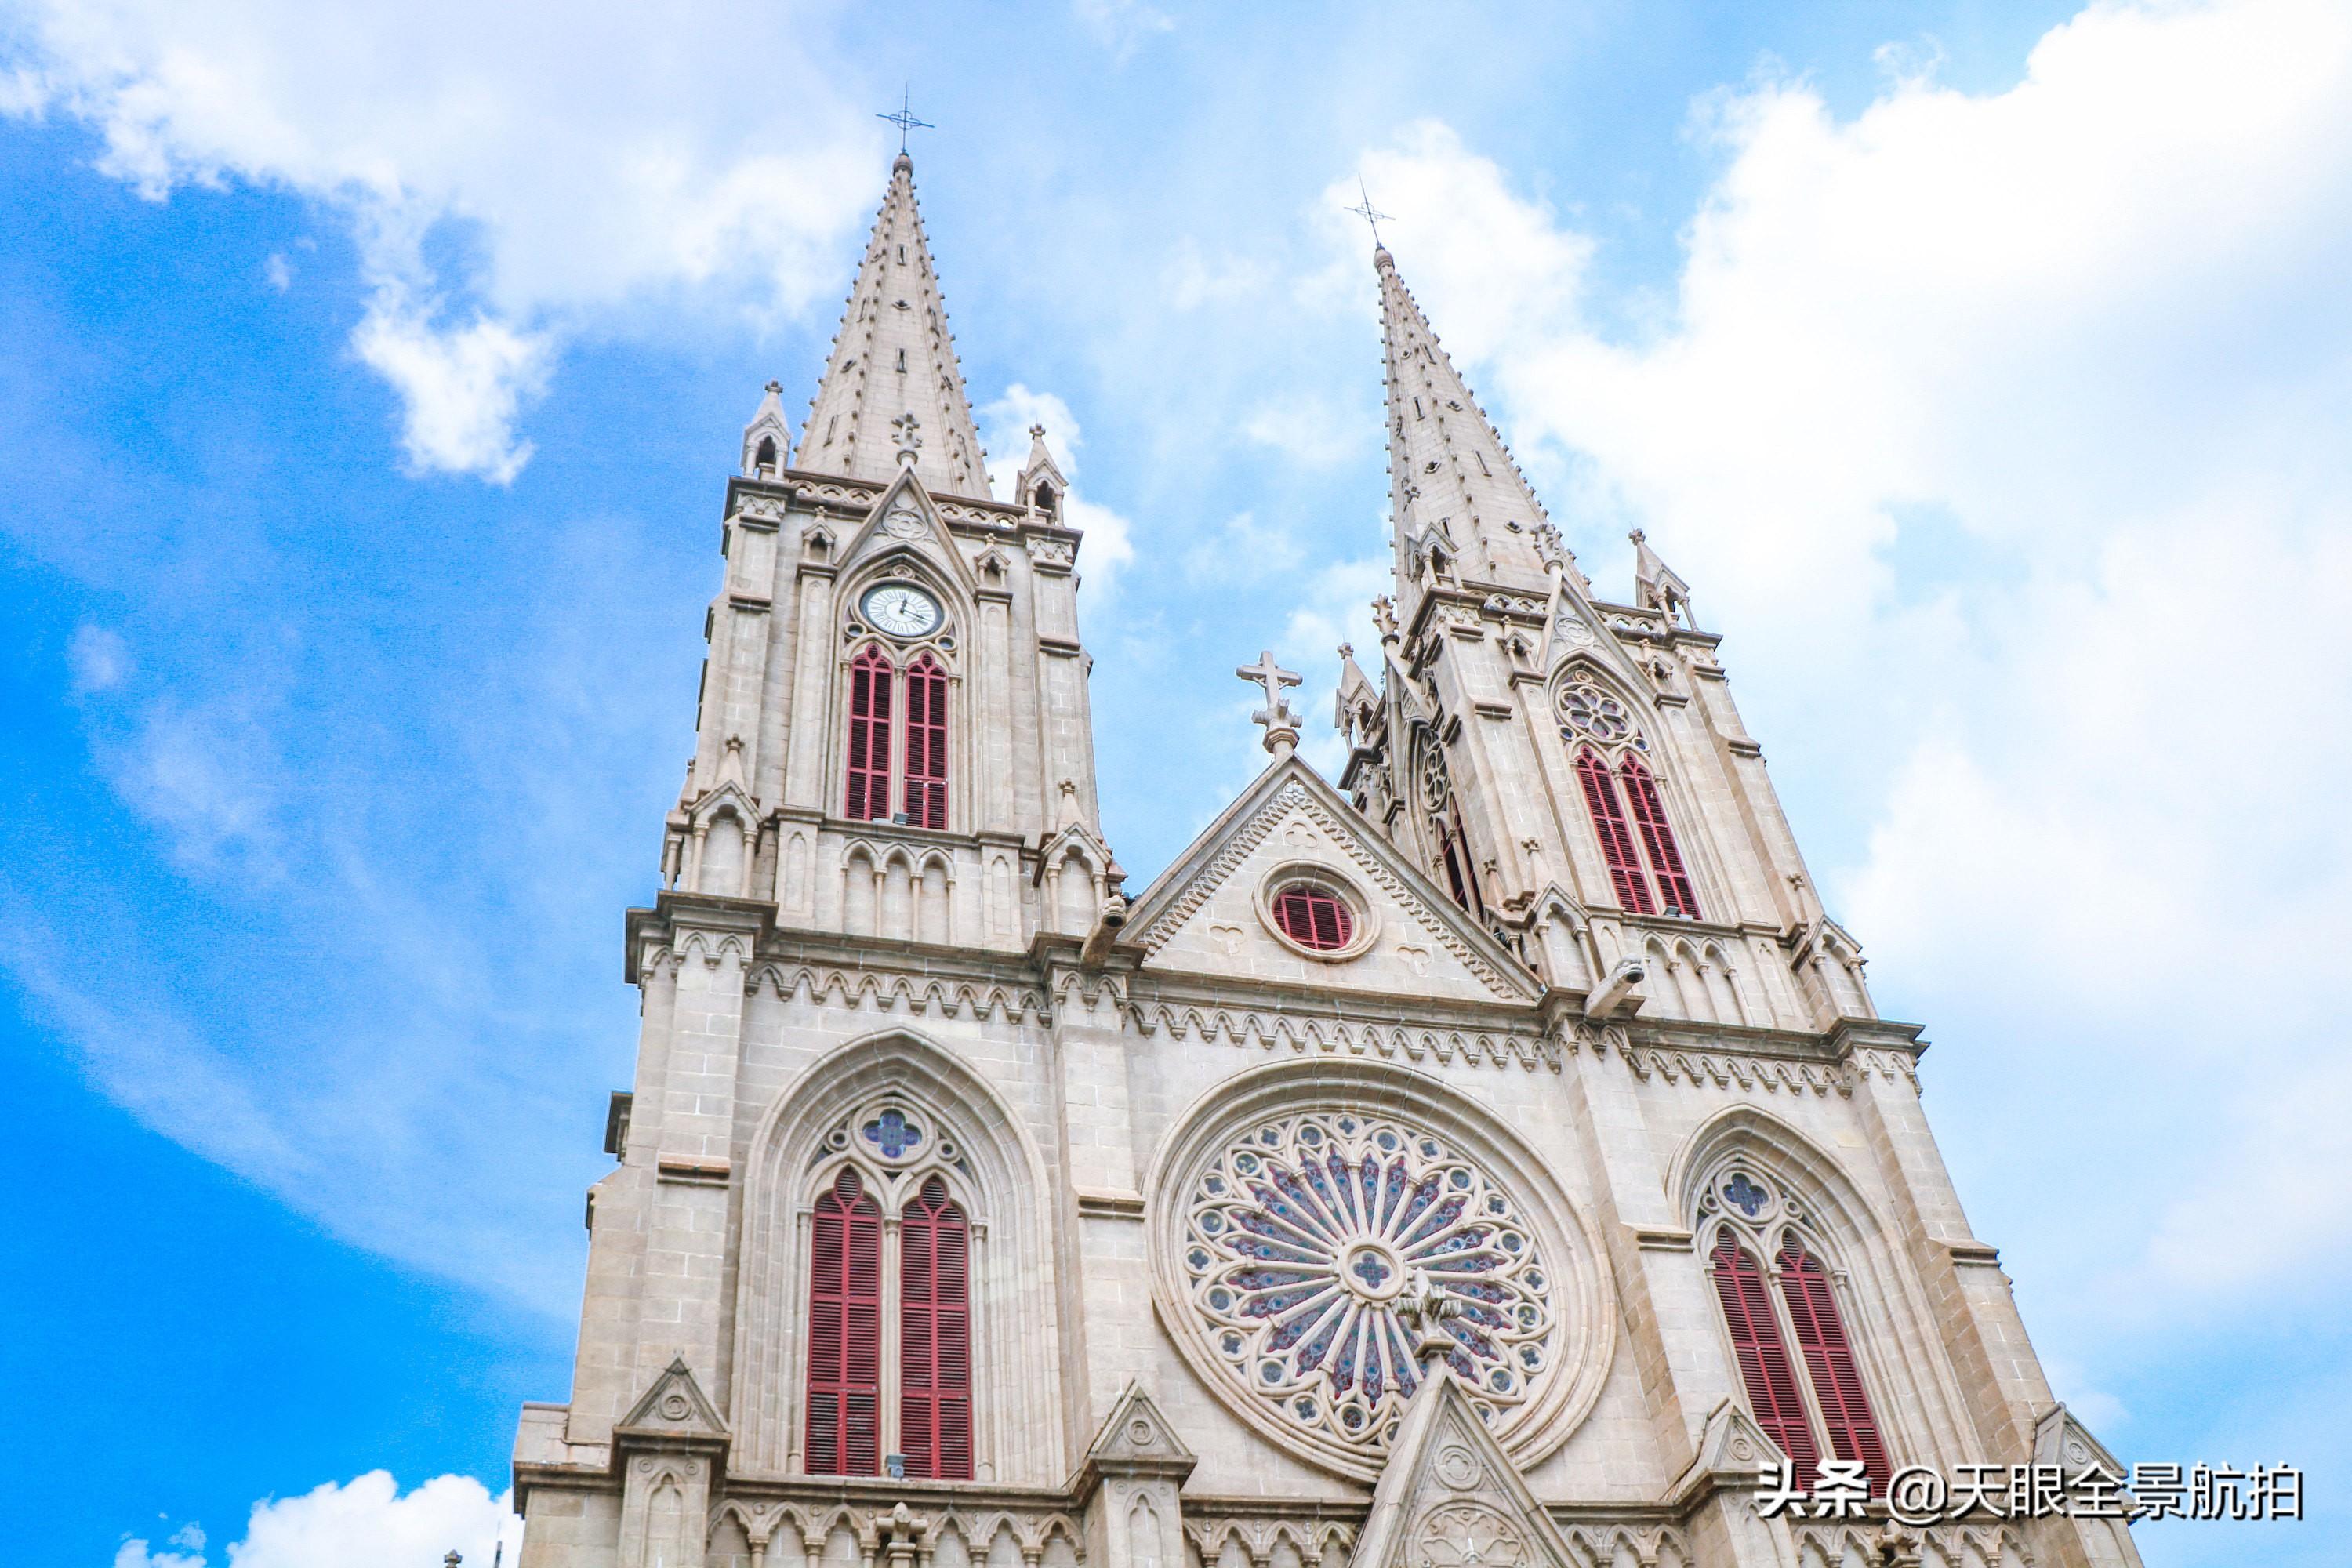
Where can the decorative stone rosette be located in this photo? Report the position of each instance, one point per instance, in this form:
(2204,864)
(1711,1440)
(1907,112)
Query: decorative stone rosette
(1303,1236)
(1287,1235)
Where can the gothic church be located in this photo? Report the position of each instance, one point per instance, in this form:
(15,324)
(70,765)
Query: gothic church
(1490,1160)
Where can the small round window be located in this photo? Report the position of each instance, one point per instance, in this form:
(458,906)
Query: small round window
(1312,916)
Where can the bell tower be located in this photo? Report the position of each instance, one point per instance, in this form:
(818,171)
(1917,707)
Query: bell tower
(1571,771)
(893,738)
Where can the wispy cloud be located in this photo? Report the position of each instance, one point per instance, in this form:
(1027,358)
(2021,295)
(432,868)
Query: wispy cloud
(1975,427)
(556,149)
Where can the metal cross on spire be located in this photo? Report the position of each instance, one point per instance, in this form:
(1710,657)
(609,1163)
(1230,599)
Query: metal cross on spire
(904,119)
(1369,213)
(1281,724)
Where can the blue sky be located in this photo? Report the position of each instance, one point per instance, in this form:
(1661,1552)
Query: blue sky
(367,387)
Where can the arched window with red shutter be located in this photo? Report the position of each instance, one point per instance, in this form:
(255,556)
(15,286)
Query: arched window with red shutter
(870,677)
(845,1331)
(1829,1360)
(1764,1367)
(1658,838)
(1608,814)
(927,744)
(934,1337)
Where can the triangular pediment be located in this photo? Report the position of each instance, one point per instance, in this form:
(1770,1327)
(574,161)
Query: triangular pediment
(1135,1435)
(906,521)
(2060,1439)
(1450,1494)
(1210,913)
(674,1406)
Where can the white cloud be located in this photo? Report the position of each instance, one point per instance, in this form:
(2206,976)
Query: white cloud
(1004,426)
(1244,551)
(1336,608)
(461,387)
(1122,25)
(1308,430)
(98,660)
(365,1522)
(2004,434)
(584,162)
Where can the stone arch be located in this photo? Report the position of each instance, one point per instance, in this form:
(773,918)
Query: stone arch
(1077,891)
(861,891)
(1722,981)
(1914,1392)
(933,883)
(996,1174)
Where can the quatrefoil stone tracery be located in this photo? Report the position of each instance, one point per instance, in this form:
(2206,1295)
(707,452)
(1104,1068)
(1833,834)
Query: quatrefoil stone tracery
(1302,1236)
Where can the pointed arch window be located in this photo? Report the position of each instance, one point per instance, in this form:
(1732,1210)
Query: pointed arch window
(870,680)
(1829,1363)
(1460,873)
(935,1336)
(1757,1344)
(1658,838)
(1608,813)
(927,744)
(898,744)
(845,1364)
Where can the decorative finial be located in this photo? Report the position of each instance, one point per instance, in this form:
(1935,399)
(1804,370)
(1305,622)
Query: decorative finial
(1036,432)
(1384,616)
(1637,536)
(451,1561)
(904,119)
(775,386)
(1370,215)
(910,440)
(1423,1309)
(1281,724)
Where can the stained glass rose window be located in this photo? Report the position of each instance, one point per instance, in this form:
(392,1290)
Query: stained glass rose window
(1302,1234)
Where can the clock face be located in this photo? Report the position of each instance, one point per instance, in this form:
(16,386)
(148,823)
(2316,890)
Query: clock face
(900,610)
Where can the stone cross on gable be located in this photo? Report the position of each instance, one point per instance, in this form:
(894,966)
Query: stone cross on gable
(1281,724)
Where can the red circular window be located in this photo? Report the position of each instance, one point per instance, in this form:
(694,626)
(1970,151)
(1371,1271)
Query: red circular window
(1312,916)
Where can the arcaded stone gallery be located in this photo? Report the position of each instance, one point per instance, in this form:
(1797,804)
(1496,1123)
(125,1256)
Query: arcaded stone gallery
(1492,1157)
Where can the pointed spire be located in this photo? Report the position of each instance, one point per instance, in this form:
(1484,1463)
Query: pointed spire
(1450,478)
(1656,585)
(1358,702)
(893,385)
(767,440)
(1041,486)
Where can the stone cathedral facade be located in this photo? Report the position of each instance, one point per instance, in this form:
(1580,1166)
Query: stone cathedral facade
(1490,1159)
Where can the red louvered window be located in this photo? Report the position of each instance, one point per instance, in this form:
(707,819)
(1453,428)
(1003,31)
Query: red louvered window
(1616,840)
(1763,1355)
(1829,1362)
(927,744)
(1312,916)
(934,1337)
(869,736)
(844,1366)
(1658,838)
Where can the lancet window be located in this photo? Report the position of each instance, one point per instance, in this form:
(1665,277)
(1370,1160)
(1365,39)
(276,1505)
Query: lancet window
(1646,871)
(1445,816)
(1790,1300)
(868,1296)
(896,766)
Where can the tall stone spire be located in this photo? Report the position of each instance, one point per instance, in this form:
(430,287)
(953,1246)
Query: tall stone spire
(894,361)
(1453,486)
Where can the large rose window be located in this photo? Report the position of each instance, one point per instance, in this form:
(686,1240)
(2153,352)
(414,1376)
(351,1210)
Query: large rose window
(1302,1234)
